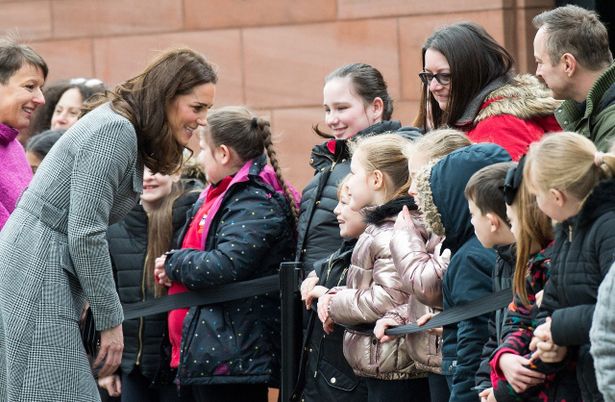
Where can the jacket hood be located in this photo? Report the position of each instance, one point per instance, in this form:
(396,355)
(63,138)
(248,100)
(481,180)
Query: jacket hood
(525,97)
(383,212)
(441,186)
(522,96)
(599,202)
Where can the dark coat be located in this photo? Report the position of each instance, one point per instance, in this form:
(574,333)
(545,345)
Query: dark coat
(584,250)
(128,247)
(317,227)
(502,279)
(248,233)
(330,376)
(469,275)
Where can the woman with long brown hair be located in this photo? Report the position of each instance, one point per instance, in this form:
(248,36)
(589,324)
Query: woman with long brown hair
(53,251)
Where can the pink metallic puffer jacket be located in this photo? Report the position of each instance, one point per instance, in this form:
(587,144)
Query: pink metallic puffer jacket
(373,288)
(416,256)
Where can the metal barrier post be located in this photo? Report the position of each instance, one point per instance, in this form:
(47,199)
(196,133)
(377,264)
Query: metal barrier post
(291,310)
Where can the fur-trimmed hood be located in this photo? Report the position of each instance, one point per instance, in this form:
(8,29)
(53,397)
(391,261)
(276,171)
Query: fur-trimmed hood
(524,96)
(440,187)
(379,214)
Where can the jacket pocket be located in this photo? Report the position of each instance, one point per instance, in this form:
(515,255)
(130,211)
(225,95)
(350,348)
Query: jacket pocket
(336,378)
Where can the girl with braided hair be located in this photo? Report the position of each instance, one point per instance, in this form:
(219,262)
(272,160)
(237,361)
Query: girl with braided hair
(242,228)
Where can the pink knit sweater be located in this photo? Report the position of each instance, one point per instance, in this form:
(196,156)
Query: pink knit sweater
(16,172)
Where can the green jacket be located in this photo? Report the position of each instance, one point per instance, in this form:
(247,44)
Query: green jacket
(594,118)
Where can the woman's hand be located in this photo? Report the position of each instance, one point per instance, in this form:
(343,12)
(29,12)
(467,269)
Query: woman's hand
(517,373)
(160,275)
(382,325)
(485,394)
(112,384)
(314,294)
(111,348)
(306,286)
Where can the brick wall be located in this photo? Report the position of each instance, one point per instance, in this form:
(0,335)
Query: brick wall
(272,54)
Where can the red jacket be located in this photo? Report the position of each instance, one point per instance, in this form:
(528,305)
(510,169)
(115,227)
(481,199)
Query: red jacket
(512,115)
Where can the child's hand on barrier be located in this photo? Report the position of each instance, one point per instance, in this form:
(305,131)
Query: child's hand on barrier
(424,319)
(314,294)
(382,325)
(517,373)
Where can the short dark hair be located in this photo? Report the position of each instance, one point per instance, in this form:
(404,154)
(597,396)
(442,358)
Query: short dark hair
(475,60)
(575,30)
(368,84)
(143,100)
(41,144)
(485,189)
(13,56)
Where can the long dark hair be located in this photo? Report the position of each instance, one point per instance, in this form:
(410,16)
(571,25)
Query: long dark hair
(475,60)
(368,83)
(143,100)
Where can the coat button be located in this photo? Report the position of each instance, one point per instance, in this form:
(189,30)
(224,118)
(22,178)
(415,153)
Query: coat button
(333,380)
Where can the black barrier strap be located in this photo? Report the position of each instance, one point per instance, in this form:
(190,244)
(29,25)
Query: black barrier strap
(484,305)
(217,294)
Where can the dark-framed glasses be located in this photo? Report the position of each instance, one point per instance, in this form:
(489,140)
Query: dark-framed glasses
(442,78)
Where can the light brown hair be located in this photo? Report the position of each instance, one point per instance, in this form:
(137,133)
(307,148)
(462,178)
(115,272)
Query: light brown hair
(385,152)
(575,30)
(437,144)
(567,162)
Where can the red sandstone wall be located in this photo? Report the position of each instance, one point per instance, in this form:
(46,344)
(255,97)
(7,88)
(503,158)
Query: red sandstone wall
(272,54)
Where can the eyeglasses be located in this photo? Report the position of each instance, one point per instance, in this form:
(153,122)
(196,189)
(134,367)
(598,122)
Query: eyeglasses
(442,78)
(512,182)
(91,82)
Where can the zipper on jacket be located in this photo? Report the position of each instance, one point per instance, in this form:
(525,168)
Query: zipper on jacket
(141,323)
(570,233)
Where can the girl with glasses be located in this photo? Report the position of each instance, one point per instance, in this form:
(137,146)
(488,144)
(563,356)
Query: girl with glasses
(468,84)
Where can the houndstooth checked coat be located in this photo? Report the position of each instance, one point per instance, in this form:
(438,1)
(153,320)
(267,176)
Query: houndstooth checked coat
(54,257)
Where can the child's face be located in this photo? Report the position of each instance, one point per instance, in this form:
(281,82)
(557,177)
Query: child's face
(345,112)
(350,221)
(208,160)
(361,192)
(155,188)
(482,225)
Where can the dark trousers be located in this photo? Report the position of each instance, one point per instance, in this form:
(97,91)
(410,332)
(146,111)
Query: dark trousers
(397,390)
(438,388)
(138,388)
(230,393)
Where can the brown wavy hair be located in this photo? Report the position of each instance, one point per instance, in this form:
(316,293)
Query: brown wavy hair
(144,98)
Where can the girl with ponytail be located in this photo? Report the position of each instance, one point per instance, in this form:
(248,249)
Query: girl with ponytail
(242,228)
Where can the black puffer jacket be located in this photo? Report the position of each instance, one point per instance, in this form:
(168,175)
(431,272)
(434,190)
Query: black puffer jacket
(328,375)
(583,252)
(249,233)
(318,231)
(128,247)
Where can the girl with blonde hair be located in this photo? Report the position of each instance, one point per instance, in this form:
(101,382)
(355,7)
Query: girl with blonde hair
(573,184)
(378,184)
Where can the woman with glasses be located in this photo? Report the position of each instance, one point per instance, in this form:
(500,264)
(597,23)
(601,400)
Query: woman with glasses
(468,84)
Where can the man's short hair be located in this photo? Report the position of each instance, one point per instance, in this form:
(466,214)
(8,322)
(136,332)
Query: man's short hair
(486,189)
(575,30)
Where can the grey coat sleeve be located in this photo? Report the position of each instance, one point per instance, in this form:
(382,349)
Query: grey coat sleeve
(99,168)
(602,335)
